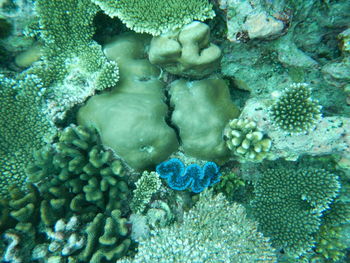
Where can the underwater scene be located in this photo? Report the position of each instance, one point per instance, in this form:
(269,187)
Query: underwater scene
(174,131)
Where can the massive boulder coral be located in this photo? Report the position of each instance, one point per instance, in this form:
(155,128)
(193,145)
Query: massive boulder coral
(186,52)
(131,117)
(201,110)
(156,16)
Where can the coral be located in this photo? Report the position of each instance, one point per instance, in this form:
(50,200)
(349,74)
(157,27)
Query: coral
(295,111)
(148,184)
(288,204)
(229,183)
(131,117)
(24,127)
(212,231)
(246,140)
(186,52)
(77,176)
(73,65)
(331,135)
(65,239)
(194,176)
(201,110)
(156,16)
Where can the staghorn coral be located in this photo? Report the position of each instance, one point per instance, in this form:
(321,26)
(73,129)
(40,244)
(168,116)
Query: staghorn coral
(156,16)
(148,184)
(195,177)
(295,111)
(246,140)
(212,231)
(288,205)
(186,52)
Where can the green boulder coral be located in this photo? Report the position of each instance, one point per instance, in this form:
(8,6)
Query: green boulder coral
(288,205)
(295,111)
(156,16)
(246,140)
(186,52)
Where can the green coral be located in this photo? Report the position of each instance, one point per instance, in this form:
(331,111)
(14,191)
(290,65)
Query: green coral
(295,111)
(246,140)
(229,183)
(288,204)
(213,231)
(156,16)
(186,52)
(24,127)
(148,184)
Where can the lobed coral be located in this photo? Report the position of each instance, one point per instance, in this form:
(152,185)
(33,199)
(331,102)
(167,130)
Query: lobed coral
(186,52)
(295,111)
(246,140)
(156,16)
(212,231)
(288,205)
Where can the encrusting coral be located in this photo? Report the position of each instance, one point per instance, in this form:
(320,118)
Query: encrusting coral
(288,205)
(186,52)
(295,111)
(246,140)
(156,16)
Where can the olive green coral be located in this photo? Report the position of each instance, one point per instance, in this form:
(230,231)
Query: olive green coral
(156,16)
(295,111)
(186,52)
(288,205)
(246,140)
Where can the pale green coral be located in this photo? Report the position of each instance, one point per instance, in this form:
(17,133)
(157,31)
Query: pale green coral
(246,140)
(288,204)
(186,52)
(156,16)
(148,184)
(295,111)
(213,231)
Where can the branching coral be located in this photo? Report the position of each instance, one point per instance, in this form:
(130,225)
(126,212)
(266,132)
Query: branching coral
(295,111)
(156,16)
(24,127)
(289,203)
(212,231)
(246,140)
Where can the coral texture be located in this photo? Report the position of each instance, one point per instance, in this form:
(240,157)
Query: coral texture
(195,177)
(295,111)
(212,231)
(246,140)
(156,16)
(131,117)
(288,205)
(186,52)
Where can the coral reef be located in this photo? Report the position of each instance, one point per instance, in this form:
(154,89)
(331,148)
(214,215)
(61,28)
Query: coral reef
(148,184)
(201,110)
(212,231)
(229,183)
(246,140)
(195,177)
(288,205)
(186,52)
(295,111)
(156,16)
(131,118)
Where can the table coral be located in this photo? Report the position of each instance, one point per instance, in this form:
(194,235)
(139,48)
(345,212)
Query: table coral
(157,16)
(288,205)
